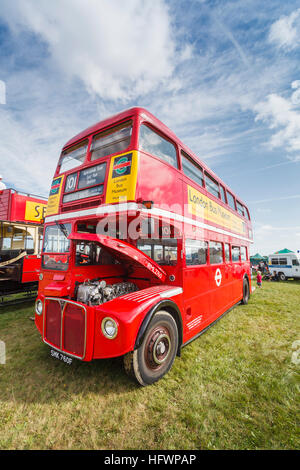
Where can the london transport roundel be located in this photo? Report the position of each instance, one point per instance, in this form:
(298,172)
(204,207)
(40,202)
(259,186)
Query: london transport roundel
(218,277)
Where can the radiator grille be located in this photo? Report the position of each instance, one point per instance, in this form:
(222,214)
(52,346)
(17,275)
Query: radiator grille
(65,326)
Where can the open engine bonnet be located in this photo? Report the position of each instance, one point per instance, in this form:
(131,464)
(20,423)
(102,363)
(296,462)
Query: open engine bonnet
(127,254)
(97,291)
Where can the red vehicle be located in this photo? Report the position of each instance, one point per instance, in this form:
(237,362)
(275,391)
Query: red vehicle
(144,247)
(21,218)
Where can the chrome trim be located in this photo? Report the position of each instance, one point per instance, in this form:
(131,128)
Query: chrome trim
(171,292)
(62,309)
(103,329)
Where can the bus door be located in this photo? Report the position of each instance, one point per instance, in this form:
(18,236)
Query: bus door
(196,286)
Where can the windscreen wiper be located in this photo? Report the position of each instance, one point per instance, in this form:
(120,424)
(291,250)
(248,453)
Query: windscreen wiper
(62,228)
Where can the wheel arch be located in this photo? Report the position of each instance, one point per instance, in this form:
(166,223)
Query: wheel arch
(172,308)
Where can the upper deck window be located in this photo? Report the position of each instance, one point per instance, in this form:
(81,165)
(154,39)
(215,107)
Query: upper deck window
(73,157)
(212,186)
(231,201)
(223,195)
(114,140)
(155,144)
(191,169)
(240,208)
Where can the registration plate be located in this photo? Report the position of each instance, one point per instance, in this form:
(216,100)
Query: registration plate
(61,357)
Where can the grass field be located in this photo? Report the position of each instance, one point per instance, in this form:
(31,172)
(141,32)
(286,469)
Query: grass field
(233,388)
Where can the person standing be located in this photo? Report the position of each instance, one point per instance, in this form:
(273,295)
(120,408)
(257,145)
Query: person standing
(258,279)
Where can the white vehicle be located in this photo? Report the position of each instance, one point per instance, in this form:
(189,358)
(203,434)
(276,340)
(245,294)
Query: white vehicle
(285,264)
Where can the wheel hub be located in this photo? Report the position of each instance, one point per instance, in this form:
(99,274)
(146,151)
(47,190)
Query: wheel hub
(158,347)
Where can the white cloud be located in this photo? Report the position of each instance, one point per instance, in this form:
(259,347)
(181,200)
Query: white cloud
(282,115)
(118,49)
(285,32)
(269,238)
(2,92)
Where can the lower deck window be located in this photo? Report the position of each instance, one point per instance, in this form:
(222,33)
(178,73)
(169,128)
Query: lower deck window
(235,253)
(227,252)
(215,253)
(195,252)
(162,251)
(243,253)
(91,254)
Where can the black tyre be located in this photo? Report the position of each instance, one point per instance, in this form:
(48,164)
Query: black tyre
(154,358)
(246,292)
(282,277)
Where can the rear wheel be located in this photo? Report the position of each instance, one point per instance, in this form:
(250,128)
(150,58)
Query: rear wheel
(246,291)
(154,358)
(282,276)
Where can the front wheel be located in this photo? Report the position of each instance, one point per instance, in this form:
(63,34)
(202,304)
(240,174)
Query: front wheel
(282,276)
(154,358)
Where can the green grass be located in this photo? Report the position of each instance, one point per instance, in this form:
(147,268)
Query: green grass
(233,388)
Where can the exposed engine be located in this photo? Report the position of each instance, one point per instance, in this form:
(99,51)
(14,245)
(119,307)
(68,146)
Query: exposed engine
(96,292)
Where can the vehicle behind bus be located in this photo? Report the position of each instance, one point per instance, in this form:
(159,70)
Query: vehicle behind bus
(21,229)
(285,265)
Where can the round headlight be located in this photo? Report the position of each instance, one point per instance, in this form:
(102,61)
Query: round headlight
(109,328)
(39,307)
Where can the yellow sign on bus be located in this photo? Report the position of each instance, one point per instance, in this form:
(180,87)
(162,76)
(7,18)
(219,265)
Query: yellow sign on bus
(54,196)
(122,178)
(205,208)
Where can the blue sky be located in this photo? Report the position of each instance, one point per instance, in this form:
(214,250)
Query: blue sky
(223,75)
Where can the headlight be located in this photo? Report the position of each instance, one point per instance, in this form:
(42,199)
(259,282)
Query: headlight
(39,307)
(109,328)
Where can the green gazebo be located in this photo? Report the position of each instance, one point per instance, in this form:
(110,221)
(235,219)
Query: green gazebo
(257,258)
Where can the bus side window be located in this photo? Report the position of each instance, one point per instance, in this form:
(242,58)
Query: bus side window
(195,252)
(235,253)
(227,252)
(223,194)
(155,144)
(243,253)
(231,201)
(215,253)
(212,186)
(191,169)
(247,212)
(240,208)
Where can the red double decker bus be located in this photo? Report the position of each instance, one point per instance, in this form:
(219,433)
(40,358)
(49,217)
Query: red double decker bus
(144,247)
